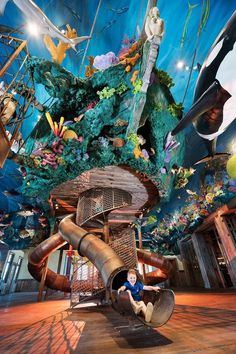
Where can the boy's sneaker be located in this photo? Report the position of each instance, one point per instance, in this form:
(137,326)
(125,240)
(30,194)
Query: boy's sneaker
(149,312)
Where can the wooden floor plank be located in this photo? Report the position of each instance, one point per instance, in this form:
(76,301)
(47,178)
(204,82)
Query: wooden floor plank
(201,323)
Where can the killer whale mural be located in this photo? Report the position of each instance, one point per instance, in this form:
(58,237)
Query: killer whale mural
(214,107)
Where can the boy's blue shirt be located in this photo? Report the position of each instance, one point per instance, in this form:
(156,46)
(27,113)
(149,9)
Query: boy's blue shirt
(134,289)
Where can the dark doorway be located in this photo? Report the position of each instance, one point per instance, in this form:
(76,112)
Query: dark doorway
(218,258)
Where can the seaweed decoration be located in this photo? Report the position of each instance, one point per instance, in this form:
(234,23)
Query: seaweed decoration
(205,15)
(185,29)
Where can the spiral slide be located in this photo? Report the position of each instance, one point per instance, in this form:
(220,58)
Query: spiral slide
(109,264)
(162,264)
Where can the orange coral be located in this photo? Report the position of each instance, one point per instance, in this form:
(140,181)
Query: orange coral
(132,49)
(134,76)
(58,52)
(89,69)
(129,62)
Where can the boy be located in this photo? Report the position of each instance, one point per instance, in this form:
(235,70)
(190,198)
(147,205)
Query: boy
(133,287)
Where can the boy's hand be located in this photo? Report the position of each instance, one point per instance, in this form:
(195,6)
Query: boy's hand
(122,288)
(156,288)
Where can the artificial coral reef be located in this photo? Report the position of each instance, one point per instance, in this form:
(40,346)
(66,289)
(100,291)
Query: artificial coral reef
(164,227)
(90,121)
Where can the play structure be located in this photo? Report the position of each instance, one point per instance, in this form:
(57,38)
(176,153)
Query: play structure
(16,92)
(112,260)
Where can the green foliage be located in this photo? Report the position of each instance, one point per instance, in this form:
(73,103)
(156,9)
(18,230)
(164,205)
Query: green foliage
(106,93)
(121,89)
(137,86)
(159,107)
(182,176)
(133,137)
(175,109)
(151,220)
(165,79)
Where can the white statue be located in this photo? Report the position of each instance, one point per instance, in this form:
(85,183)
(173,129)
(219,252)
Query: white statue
(154,25)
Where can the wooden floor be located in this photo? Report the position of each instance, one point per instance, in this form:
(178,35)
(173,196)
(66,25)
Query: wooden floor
(201,323)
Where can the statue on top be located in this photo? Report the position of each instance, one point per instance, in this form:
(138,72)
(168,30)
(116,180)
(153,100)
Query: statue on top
(154,25)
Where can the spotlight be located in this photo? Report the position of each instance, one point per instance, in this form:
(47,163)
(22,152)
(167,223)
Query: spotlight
(180,64)
(33,29)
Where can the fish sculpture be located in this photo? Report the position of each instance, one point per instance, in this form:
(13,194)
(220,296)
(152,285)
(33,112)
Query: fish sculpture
(214,107)
(25,213)
(108,25)
(36,15)
(120,10)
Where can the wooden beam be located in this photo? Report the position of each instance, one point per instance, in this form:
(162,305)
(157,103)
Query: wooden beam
(210,220)
(119,221)
(126,212)
(13,57)
(106,230)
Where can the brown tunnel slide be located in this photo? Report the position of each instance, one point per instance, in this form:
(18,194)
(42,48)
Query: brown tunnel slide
(111,267)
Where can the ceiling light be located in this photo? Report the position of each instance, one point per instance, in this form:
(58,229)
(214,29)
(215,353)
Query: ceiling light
(33,29)
(180,64)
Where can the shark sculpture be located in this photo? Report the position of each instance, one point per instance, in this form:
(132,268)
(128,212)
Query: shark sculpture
(214,107)
(36,15)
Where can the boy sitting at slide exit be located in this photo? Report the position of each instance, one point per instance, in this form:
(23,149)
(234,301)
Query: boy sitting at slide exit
(133,287)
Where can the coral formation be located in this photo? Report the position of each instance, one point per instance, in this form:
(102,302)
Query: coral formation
(97,112)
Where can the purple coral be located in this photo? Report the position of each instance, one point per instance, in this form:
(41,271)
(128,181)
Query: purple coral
(102,62)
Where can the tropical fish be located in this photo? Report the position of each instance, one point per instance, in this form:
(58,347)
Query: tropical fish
(8,29)
(5,225)
(36,15)
(25,213)
(11,193)
(108,25)
(27,233)
(119,11)
(73,12)
(190,9)
(128,41)
(79,118)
